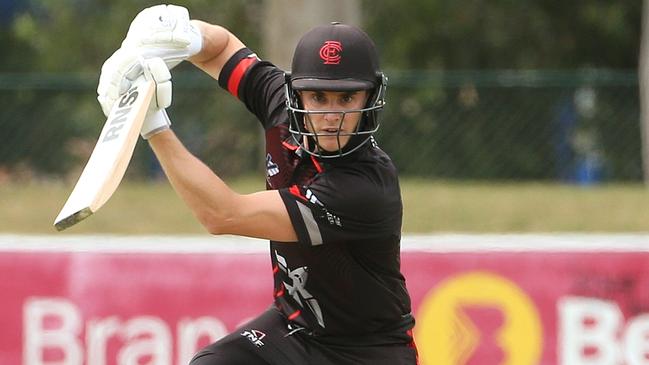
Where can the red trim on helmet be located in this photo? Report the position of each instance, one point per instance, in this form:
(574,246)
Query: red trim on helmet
(237,75)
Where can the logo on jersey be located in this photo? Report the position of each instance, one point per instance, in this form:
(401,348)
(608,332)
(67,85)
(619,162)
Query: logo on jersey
(333,219)
(373,142)
(272,168)
(312,198)
(330,52)
(254,336)
(297,288)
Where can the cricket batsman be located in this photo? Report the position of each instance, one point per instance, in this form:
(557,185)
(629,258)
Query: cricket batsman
(332,209)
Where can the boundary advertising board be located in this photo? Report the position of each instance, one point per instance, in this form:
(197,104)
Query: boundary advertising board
(478,299)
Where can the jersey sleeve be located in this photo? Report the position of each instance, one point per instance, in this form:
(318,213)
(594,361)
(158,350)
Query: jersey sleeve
(343,212)
(256,83)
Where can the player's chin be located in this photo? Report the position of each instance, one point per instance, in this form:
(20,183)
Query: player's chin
(332,143)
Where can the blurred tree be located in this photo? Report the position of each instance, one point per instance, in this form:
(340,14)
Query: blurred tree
(76,36)
(73,38)
(452,36)
(643,73)
(281,35)
(502,34)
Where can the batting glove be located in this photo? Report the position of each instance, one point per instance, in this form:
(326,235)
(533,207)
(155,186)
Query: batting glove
(122,68)
(156,119)
(118,74)
(164,31)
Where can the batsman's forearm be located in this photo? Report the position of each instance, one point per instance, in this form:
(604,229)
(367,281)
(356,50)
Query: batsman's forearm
(219,44)
(208,197)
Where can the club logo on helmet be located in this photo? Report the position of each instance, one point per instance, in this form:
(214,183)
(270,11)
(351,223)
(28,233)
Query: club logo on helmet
(330,52)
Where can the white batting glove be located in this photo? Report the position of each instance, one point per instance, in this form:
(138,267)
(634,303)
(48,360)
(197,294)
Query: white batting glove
(118,74)
(164,31)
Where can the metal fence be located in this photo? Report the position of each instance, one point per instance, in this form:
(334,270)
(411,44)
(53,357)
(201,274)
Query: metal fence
(579,127)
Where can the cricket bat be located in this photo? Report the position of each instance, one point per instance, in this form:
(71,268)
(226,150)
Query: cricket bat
(110,157)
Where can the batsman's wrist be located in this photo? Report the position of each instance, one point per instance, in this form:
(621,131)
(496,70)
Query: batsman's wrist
(155,122)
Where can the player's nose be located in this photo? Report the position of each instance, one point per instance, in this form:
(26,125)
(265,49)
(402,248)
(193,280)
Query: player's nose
(333,117)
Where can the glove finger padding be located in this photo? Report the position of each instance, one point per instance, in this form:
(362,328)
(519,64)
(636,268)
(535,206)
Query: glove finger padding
(164,31)
(117,76)
(160,24)
(157,70)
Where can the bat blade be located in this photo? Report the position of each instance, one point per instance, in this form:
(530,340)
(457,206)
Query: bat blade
(110,157)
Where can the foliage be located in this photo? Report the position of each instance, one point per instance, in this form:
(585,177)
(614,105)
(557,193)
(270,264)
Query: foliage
(74,38)
(455,119)
(505,34)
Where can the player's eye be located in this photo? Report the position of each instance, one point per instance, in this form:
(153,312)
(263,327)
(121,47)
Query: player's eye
(318,98)
(347,99)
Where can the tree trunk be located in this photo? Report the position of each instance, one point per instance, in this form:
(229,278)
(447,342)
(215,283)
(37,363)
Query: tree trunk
(287,20)
(643,74)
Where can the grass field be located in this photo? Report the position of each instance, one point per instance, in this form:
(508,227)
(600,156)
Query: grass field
(429,206)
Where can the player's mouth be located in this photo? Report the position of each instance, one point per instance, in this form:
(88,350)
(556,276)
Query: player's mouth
(332,132)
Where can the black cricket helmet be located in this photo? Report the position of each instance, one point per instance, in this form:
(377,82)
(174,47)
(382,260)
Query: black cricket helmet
(335,57)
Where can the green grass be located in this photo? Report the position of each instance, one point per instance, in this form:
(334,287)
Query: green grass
(523,207)
(429,206)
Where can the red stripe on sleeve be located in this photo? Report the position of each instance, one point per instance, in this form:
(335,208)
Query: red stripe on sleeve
(237,75)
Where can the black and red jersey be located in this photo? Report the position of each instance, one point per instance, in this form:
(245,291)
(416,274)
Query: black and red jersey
(341,282)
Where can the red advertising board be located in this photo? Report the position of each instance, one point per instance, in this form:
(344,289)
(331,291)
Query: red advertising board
(123,301)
